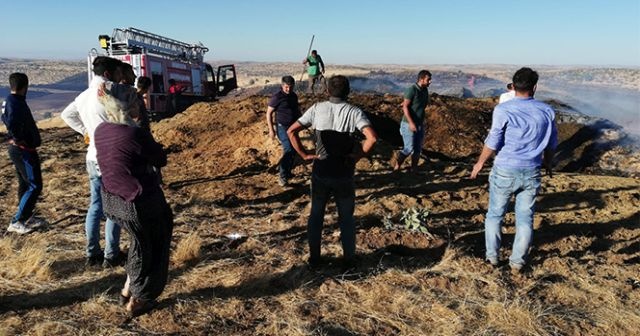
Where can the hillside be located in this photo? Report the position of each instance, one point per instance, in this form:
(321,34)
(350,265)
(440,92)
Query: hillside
(221,183)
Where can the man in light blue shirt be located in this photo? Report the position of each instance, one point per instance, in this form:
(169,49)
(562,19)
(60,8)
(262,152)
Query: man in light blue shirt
(524,136)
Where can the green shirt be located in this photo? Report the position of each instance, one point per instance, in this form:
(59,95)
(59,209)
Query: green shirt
(419,98)
(314,65)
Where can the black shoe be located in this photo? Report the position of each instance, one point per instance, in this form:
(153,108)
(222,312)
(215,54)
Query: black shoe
(314,263)
(118,260)
(348,264)
(93,261)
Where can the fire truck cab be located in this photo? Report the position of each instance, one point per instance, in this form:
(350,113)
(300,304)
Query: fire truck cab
(161,59)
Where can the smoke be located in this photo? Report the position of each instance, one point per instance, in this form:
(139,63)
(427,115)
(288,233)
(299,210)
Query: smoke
(618,105)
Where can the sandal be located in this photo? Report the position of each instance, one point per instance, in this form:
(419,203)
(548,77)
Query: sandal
(123,300)
(137,307)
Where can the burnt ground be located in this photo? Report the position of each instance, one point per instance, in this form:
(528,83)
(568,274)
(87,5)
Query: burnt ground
(221,180)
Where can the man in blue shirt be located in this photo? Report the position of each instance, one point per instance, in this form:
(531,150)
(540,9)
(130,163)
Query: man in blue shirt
(24,138)
(524,136)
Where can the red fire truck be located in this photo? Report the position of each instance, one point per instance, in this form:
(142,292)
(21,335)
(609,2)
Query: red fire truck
(161,59)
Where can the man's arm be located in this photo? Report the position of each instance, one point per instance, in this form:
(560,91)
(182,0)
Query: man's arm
(370,139)
(407,114)
(151,150)
(270,121)
(292,132)
(15,123)
(71,117)
(547,161)
(321,64)
(484,156)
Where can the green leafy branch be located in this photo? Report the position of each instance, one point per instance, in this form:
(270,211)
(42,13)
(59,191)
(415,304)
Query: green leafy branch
(413,219)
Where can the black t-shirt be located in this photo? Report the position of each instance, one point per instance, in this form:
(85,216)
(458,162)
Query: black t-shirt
(286,107)
(334,149)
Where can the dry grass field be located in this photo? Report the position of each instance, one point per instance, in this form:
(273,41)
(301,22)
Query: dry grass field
(238,264)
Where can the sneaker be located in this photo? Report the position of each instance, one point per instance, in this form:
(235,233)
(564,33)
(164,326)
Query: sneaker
(492,261)
(516,268)
(93,261)
(118,260)
(19,227)
(36,222)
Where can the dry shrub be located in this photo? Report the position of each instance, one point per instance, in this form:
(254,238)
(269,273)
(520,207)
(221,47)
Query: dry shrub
(9,325)
(54,328)
(188,249)
(515,317)
(100,308)
(25,257)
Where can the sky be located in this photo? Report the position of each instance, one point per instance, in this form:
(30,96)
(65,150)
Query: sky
(551,32)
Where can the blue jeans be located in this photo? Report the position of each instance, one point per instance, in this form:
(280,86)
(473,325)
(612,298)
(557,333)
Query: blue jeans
(524,183)
(288,153)
(412,140)
(94,215)
(29,181)
(343,191)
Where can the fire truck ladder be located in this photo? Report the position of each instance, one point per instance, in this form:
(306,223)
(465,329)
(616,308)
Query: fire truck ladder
(132,40)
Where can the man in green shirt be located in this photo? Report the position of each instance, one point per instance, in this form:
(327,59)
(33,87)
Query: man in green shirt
(315,69)
(416,98)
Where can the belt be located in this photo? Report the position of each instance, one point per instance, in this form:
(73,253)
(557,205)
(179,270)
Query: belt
(23,147)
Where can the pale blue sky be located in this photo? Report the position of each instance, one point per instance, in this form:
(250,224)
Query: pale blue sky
(554,32)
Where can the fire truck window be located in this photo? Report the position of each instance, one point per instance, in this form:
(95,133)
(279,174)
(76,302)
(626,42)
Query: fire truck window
(158,83)
(209,74)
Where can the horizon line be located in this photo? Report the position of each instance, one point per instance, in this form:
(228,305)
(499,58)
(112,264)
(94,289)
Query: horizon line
(361,63)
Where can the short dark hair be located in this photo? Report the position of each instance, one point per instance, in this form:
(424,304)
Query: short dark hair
(125,66)
(288,80)
(424,73)
(314,51)
(172,81)
(18,81)
(143,83)
(102,64)
(338,86)
(525,79)
(510,86)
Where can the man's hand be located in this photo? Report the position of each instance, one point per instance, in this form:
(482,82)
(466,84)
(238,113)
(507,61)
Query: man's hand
(272,134)
(357,156)
(549,170)
(412,127)
(476,169)
(309,157)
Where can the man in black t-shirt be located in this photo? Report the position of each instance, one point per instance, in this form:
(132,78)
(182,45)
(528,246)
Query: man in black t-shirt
(334,123)
(285,104)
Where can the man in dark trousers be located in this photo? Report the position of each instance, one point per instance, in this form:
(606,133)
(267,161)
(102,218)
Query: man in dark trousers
(285,104)
(337,151)
(24,138)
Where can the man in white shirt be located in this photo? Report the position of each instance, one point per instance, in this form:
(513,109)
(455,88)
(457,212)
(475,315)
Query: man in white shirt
(507,95)
(84,115)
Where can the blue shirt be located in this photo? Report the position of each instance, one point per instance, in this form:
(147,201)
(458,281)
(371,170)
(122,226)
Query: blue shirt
(521,130)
